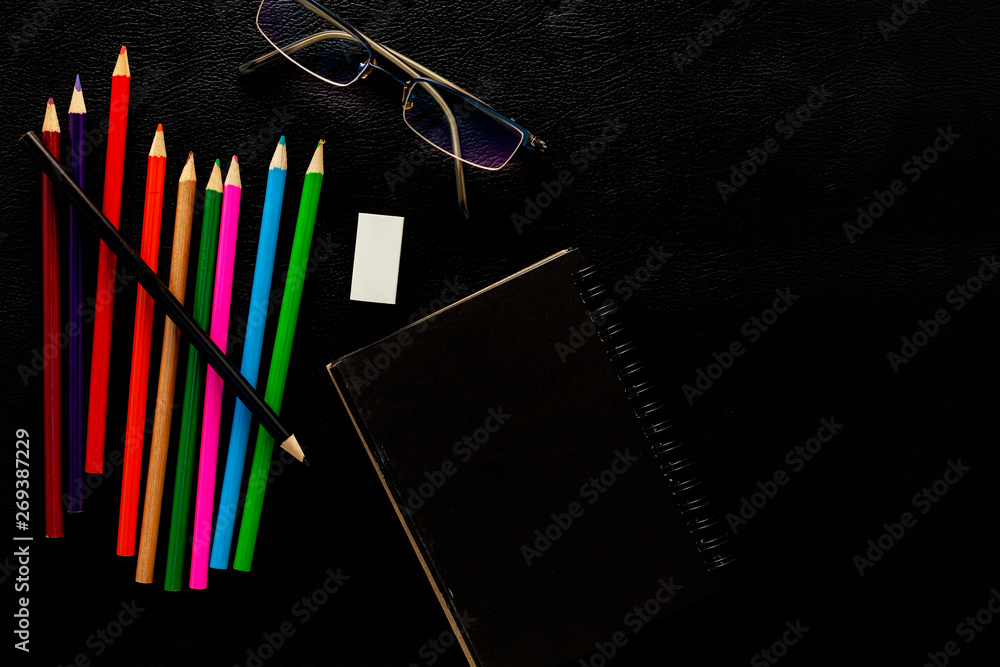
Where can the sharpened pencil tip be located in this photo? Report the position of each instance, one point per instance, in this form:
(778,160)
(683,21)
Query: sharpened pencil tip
(215,179)
(51,101)
(291,445)
(187,174)
(316,164)
(76,104)
(280,158)
(159,147)
(51,121)
(121,65)
(233,175)
(159,127)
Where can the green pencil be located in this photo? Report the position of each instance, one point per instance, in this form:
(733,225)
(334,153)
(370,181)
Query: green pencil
(187,452)
(278,370)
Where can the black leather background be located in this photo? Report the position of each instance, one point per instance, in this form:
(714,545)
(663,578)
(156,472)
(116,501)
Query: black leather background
(564,70)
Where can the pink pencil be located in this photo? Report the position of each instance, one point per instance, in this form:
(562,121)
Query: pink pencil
(205,496)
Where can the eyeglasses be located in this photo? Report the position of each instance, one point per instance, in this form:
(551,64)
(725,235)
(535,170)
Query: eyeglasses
(444,115)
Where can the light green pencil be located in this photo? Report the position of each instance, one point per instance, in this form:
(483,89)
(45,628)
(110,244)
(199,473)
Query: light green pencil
(278,371)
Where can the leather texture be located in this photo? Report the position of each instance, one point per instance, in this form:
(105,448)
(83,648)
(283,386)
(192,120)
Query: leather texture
(734,139)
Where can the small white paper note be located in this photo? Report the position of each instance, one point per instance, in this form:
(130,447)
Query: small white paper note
(376,258)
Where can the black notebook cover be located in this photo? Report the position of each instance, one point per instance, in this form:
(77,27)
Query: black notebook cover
(514,456)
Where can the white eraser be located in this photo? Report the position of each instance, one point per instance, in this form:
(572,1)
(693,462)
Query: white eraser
(376,258)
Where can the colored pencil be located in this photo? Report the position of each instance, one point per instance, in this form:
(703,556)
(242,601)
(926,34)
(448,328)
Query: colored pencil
(77,143)
(278,371)
(186,449)
(260,296)
(156,165)
(222,299)
(62,179)
(114,170)
(168,377)
(51,323)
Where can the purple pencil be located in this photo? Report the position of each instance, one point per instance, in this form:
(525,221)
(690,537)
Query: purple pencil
(77,121)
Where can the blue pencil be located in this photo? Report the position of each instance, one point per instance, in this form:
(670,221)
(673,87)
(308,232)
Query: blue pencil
(253,343)
(77,137)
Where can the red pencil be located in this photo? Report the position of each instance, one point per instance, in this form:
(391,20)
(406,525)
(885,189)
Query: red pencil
(114,169)
(51,323)
(139,382)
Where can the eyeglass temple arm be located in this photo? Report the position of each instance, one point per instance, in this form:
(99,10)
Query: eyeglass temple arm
(399,61)
(411,70)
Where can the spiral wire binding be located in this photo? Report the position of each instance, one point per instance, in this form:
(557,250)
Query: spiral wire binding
(711,537)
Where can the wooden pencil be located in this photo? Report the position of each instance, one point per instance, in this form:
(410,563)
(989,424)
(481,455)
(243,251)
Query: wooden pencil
(62,179)
(278,371)
(77,144)
(260,297)
(51,324)
(135,423)
(114,170)
(187,441)
(167,379)
(207,456)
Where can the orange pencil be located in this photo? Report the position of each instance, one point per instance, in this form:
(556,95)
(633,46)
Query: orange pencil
(139,380)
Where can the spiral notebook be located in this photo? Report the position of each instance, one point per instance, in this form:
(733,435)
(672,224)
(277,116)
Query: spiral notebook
(532,470)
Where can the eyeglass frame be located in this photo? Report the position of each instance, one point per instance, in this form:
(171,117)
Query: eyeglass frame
(417,73)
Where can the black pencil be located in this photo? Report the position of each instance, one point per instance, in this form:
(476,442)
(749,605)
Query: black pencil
(161,294)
